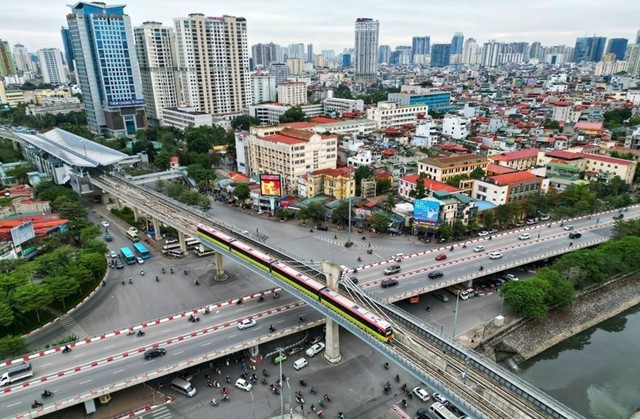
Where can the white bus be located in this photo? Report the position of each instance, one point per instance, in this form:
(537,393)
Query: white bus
(168,247)
(438,411)
(191,243)
(132,236)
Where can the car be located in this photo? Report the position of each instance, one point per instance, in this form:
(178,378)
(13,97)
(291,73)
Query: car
(441,256)
(441,296)
(154,353)
(421,394)
(440,399)
(530,222)
(243,384)
(107,237)
(545,217)
(315,349)
(294,350)
(493,230)
(435,274)
(353,279)
(495,255)
(119,264)
(393,269)
(483,233)
(139,260)
(316,339)
(171,241)
(246,323)
(113,254)
(133,230)
(279,358)
(619,216)
(524,236)
(575,235)
(511,277)
(568,228)
(388,283)
(423,413)
(105,224)
(478,249)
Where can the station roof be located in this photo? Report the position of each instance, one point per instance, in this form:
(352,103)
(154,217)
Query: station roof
(73,149)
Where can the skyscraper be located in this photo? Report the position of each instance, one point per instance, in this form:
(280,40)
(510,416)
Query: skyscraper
(366,54)
(68,50)
(589,49)
(384,54)
(536,51)
(7,67)
(490,53)
(309,53)
(264,54)
(638,37)
(280,71)
(420,46)
(107,68)
(440,55)
(156,52)
(618,46)
(215,55)
(456,43)
(51,66)
(469,52)
(22,58)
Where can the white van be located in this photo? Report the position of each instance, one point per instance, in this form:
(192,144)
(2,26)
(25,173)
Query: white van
(19,372)
(175,253)
(300,363)
(183,387)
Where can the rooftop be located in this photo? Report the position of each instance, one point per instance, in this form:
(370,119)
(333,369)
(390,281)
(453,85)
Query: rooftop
(430,184)
(513,178)
(455,160)
(516,155)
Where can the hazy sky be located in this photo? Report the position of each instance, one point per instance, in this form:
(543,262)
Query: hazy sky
(328,24)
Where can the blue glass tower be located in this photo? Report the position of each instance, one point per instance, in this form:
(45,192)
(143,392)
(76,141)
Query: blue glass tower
(440,55)
(618,46)
(456,43)
(68,50)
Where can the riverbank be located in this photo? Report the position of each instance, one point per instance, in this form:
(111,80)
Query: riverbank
(527,339)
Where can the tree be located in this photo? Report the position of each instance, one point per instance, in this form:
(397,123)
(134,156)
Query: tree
(293,114)
(243,122)
(62,286)
(31,297)
(340,214)
(390,203)
(314,211)
(526,298)
(445,231)
(477,173)
(362,172)
(11,346)
(558,291)
(455,180)
(459,229)
(242,192)
(420,191)
(6,314)
(342,91)
(383,185)
(380,222)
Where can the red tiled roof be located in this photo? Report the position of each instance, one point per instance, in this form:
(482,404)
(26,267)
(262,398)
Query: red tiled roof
(589,126)
(384,175)
(430,184)
(299,125)
(496,168)
(323,120)
(515,177)
(562,154)
(625,150)
(516,155)
(344,171)
(607,159)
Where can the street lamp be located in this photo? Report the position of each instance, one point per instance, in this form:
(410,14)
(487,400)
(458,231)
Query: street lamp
(279,349)
(349,214)
(455,317)
(290,406)
(253,402)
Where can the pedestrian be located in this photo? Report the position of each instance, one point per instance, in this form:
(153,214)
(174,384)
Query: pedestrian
(369,244)
(428,308)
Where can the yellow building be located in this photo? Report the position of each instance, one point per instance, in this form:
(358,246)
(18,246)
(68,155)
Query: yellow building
(339,183)
(444,168)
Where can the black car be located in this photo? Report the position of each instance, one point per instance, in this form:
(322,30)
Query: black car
(294,350)
(435,274)
(119,264)
(107,237)
(423,413)
(154,353)
(575,235)
(388,283)
(322,228)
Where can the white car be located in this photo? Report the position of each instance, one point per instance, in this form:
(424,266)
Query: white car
(139,260)
(478,249)
(246,323)
(568,228)
(511,277)
(133,230)
(440,399)
(545,218)
(483,233)
(243,384)
(524,236)
(315,349)
(105,224)
(421,394)
(113,254)
(495,255)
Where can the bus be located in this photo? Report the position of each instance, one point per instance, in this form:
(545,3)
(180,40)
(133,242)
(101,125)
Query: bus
(414,299)
(191,243)
(438,411)
(168,247)
(132,236)
(141,250)
(128,256)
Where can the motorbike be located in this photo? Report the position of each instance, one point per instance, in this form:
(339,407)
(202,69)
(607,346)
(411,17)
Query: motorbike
(369,251)
(225,396)
(464,246)
(265,373)
(386,365)
(157,279)
(303,383)
(260,299)
(186,272)
(404,403)
(364,238)
(451,249)
(481,268)
(272,329)
(214,402)
(130,331)
(207,310)
(340,415)
(46,394)
(194,319)
(264,381)
(66,349)
(36,404)
(171,270)
(196,282)
(326,398)
(141,273)
(276,295)
(312,390)
(163,271)
(140,333)
(359,259)
(240,301)
(300,400)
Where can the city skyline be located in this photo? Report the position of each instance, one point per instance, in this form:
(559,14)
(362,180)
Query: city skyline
(329,25)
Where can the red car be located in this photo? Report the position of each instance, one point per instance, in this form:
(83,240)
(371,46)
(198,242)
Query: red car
(441,256)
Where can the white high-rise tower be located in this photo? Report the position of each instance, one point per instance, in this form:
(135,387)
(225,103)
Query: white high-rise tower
(366,50)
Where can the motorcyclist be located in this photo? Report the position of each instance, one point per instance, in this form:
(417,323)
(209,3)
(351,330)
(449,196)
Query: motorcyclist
(271,328)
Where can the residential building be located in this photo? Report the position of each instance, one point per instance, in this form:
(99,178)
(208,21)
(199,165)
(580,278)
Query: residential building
(560,110)
(455,127)
(263,88)
(264,54)
(440,55)
(456,43)
(292,93)
(391,114)
(7,66)
(55,106)
(444,168)
(470,51)
(156,51)
(508,188)
(420,48)
(214,54)
(366,50)
(22,59)
(295,66)
(407,187)
(51,66)
(68,49)
(339,105)
(517,160)
(617,46)
(338,183)
(491,53)
(287,152)
(280,71)
(350,126)
(413,95)
(107,68)
(309,56)
(269,113)
(182,118)
(603,168)
(384,55)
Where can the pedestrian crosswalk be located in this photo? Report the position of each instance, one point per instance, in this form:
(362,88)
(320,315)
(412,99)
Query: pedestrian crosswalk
(161,412)
(73,327)
(356,244)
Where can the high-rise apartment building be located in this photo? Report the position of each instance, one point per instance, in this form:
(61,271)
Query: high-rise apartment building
(366,54)
(295,66)
(292,93)
(263,88)
(22,59)
(107,68)
(617,46)
(264,54)
(633,60)
(296,51)
(491,53)
(51,66)
(440,55)
(589,49)
(638,37)
(7,66)
(456,43)
(469,51)
(536,51)
(384,54)
(214,54)
(402,55)
(280,71)
(309,53)
(420,48)
(68,50)
(156,51)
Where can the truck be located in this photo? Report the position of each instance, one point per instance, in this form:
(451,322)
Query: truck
(17,373)
(460,290)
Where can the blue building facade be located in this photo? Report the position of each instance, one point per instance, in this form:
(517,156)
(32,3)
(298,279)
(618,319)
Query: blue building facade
(618,46)
(68,50)
(436,101)
(440,55)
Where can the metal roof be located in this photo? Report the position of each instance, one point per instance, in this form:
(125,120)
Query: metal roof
(73,149)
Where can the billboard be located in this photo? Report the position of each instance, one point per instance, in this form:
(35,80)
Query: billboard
(22,233)
(426,210)
(270,185)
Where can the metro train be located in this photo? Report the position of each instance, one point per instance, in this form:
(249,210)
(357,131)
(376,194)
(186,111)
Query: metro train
(363,318)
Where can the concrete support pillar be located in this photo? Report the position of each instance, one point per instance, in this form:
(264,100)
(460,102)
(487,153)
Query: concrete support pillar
(119,203)
(104,198)
(183,245)
(219,262)
(332,338)
(156,228)
(136,213)
(254,354)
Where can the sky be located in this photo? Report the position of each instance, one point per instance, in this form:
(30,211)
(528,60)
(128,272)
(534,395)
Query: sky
(329,24)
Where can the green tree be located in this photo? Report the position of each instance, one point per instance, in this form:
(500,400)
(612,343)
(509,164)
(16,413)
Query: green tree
(558,291)
(242,192)
(314,211)
(342,91)
(31,297)
(626,228)
(380,222)
(11,346)
(293,114)
(243,122)
(445,231)
(62,286)
(6,314)
(459,229)
(383,185)
(455,180)
(526,298)
(340,214)
(420,191)
(390,203)
(362,172)
(477,173)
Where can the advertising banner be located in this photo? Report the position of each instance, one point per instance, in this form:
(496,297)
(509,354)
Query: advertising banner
(426,210)
(270,185)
